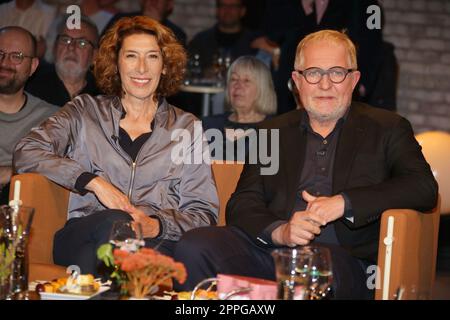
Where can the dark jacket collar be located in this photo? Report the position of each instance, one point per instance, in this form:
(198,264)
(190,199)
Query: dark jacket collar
(293,145)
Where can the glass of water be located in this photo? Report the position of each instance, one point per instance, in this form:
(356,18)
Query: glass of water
(292,267)
(320,273)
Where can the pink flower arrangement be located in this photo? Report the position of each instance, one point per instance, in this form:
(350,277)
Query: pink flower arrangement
(146,269)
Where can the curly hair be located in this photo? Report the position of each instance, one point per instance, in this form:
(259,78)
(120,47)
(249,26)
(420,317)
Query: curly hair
(173,53)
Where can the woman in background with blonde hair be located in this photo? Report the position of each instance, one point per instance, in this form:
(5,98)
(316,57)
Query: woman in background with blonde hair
(251,97)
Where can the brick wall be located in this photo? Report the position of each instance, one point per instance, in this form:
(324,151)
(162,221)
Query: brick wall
(420,31)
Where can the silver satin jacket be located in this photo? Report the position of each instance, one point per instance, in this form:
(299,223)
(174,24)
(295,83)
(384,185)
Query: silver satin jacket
(83,137)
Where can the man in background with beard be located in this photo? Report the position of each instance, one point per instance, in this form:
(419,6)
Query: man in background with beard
(19,110)
(74,51)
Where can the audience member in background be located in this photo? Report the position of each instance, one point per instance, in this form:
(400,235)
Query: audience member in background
(341,164)
(288,21)
(251,97)
(110,6)
(89,8)
(160,10)
(93,10)
(33,15)
(74,51)
(19,111)
(114,151)
(254,14)
(123,5)
(226,40)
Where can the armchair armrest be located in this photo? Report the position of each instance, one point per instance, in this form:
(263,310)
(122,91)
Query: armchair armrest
(226,176)
(50,202)
(411,267)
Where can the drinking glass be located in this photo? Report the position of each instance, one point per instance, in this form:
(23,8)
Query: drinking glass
(15,225)
(320,273)
(127,235)
(292,267)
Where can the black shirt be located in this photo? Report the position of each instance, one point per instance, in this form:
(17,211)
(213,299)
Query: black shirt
(233,150)
(317,177)
(317,173)
(46,84)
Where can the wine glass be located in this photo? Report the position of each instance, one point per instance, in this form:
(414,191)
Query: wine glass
(320,274)
(292,267)
(127,235)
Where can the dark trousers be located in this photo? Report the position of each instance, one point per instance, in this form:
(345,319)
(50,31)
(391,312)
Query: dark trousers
(209,251)
(77,242)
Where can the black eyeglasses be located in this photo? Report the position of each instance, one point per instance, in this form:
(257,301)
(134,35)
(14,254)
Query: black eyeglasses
(81,43)
(314,75)
(16,58)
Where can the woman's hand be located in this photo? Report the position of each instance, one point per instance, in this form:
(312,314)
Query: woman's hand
(150,226)
(108,195)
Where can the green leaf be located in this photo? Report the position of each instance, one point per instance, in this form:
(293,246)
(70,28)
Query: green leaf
(105,254)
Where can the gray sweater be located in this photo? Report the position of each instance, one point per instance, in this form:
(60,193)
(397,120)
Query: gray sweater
(15,126)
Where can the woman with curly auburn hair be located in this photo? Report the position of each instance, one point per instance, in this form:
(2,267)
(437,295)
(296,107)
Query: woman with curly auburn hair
(114,151)
(173,54)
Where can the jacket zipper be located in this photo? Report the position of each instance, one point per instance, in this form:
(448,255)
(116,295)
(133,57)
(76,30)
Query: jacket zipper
(133,171)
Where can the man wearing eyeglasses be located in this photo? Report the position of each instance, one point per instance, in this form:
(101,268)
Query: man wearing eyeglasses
(74,51)
(342,163)
(19,110)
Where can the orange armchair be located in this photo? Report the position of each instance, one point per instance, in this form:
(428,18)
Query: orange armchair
(50,203)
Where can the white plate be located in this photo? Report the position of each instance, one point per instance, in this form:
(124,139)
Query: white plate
(69,296)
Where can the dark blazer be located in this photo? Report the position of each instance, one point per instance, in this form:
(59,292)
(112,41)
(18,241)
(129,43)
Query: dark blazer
(46,84)
(378,165)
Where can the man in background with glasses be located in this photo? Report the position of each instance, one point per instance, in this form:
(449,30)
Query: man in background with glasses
(74,51)
(342,164)
(19,110)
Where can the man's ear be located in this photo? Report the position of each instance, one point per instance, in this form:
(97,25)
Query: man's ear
(296,77)
(34,65)
(356,75)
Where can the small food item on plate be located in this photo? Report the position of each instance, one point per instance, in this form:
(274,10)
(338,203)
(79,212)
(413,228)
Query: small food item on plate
(82,284)
(39,288)
(79,284)
(61,281)
(200,295)
(48,287)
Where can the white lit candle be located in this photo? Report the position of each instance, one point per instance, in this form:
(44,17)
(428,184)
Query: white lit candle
(15,202)
(17,191)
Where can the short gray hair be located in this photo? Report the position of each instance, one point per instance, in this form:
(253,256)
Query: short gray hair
(83,20)
(266,99)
